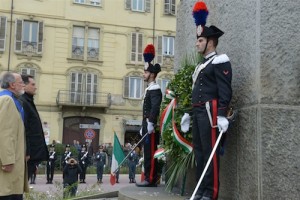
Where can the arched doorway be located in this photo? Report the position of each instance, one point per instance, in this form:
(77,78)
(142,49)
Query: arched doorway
(82,129)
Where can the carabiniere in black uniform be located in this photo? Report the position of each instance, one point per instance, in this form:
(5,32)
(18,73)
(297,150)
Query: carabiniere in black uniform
(211,96)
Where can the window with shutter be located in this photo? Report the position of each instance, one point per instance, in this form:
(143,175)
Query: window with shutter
(159,57)
(168,46)
(78,42)
(91,88)
(40,37)
(18,34)
(135,87)
(163,83)
(138,5)
(93,44)
(169,7)
(128,4)
(136,47)
(126,87)
(29,36)
(3,22)
(82,39)
(28,71)
(76,87)
(148,5)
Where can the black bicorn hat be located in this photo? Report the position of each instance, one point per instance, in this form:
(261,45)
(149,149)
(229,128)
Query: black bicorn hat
(52,145)
(149,54)
(83,146)
(200,13)
(100,146)
(68,146)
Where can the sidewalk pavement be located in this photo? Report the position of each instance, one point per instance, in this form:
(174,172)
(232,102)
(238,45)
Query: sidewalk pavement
(125,190)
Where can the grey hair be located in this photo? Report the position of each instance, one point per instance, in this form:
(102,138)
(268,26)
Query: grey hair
(6,79)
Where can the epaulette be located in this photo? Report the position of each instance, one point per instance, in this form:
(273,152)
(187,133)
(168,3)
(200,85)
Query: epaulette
(223,58)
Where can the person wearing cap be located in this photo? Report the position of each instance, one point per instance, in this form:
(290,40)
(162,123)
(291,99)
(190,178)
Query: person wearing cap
(151,108)
(133,160)
(51,164)
(101,160)
(211,95)
(83,158)
(66,155)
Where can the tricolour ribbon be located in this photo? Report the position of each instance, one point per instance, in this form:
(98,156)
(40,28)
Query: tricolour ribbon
(167,117)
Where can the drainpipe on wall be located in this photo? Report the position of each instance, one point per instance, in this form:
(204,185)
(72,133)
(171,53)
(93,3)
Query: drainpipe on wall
(11,22)
(153,22)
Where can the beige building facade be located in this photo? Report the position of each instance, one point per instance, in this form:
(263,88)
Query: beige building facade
(87,59)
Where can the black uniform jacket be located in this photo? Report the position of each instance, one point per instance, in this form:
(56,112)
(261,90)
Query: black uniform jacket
(152,101)
(35,141)
(214,82)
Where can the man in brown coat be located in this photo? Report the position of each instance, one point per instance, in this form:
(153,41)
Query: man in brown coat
(13,181)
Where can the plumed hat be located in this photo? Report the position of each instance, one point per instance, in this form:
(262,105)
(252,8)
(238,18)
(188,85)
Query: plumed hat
(200,13)
(149,54)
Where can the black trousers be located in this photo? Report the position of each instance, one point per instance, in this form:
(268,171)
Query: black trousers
(31,168)
(204,138)
(82,174)
(150,146)
(100,168)
(50,171)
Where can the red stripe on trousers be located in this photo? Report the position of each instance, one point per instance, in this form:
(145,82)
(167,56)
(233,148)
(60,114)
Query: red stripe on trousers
(213,141)
(152,154)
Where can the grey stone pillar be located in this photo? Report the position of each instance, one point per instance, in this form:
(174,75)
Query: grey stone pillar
(262,39)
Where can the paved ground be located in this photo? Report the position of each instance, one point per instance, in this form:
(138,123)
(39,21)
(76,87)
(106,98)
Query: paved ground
(90,187)
(41,190)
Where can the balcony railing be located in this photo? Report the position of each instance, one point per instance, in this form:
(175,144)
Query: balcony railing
(90,99)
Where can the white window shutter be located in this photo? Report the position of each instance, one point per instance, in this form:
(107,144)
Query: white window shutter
(166,6)
(3,22)
(128,4)
(140,47)
(40,37)
(126,87)
(18,35)
(159,56)
(173,7)
(133,47)
(147,6)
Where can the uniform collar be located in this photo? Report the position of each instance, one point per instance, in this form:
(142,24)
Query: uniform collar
(151,83)
(210,55)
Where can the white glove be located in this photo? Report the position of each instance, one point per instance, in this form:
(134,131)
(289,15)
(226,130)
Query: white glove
(150,127)
(222,123)
(185,122)
(141,131)
(103,166)
(51,157)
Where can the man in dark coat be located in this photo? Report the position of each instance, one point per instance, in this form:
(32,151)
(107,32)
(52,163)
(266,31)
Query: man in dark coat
(151,107)
(36,148)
